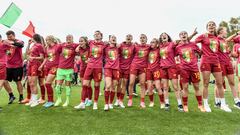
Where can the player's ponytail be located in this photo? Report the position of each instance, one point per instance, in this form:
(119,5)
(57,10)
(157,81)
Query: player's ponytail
(37,38)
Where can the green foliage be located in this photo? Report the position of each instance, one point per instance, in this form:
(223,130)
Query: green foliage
(233,25)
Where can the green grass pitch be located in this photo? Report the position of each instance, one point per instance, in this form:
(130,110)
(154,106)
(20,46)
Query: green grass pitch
(18,119)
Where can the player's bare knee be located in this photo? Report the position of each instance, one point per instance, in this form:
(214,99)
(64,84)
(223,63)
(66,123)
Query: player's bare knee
(232,83)
(108,86)
(142,84)
(175,88)
(131,84)
(158,87)
(205,85)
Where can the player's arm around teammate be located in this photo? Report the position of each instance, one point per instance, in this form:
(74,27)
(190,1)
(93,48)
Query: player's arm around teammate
(188,53)
(138,69)
(210,64)
(153,72)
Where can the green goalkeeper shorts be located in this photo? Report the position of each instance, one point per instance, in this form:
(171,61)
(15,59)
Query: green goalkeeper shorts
(64,74)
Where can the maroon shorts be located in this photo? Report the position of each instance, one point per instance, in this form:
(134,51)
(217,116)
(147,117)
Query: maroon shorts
(41,74)
(3,72)
(153,75)
(169,73)
(189,76)
(82,71)
(52,71)
(137,71)
(112,73)
(227,69)
(178,67)
(33,71)
(124,73)
(210,67)
(93,73)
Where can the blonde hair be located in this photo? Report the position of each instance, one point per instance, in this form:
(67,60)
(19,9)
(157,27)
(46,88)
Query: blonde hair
(58,41)
(51,38)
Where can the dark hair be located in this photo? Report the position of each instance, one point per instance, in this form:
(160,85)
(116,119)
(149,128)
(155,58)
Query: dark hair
(156,40)
(85,39)
(37,38)
(210,22)
(10,32)
(215,32)
(99,32)
(182,32)
(220,29)
(160,39)
(43,41)
(143,35)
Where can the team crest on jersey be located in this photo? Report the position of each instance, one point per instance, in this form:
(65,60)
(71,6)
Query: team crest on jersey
(95,51)
(10,52)
(84,58)
(141,53)
(125,53)
(67,53)
(213,45)
(223,47)
(112,54)
(152,57)
(51,56)
(187,55)
(163,53)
